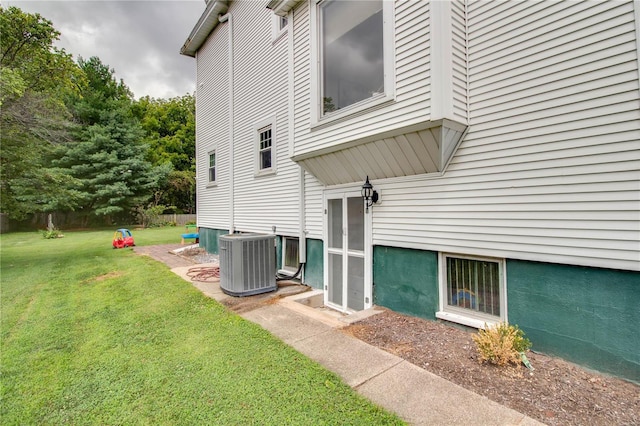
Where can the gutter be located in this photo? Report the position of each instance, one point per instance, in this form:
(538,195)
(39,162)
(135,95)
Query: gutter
(207,22)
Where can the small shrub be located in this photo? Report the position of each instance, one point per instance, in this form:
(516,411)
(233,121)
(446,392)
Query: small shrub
(52,233)
(501,344)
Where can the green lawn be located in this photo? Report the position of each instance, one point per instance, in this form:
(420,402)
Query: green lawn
(93,335)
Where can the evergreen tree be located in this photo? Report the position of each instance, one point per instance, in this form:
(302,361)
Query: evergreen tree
(109,157)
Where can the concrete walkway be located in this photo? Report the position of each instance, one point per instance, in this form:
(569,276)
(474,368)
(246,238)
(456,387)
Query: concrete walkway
(414,394)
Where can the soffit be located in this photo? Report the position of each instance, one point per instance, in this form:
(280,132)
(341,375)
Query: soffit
(282,7)
(414,152)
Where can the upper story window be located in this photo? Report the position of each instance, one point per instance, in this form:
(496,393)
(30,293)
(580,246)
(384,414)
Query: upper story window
(282,23)
(354,40)
(212,167)
(279,25)
(265,146)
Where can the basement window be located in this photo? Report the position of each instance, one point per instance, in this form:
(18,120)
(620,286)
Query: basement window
(472,290)
(291,254)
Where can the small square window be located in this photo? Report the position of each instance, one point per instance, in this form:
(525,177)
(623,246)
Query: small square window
(212,166)
(472,290)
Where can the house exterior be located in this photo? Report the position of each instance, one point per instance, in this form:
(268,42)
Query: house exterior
(502,138)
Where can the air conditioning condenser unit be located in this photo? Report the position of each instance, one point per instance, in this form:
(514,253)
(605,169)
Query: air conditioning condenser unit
(247,264)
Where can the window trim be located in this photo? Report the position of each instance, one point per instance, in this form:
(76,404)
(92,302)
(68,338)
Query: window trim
(257,128)
(215,167)
(388,30)
(464,316)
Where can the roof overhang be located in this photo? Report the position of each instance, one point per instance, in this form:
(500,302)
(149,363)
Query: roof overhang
(207,22)
(282,7)
(423,148)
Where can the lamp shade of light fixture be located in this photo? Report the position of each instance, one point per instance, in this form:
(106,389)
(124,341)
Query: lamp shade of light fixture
(369,194)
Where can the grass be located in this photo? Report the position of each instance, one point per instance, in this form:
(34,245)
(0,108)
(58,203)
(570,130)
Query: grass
(93,335)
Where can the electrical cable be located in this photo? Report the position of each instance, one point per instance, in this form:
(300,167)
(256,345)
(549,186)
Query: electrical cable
(282,277)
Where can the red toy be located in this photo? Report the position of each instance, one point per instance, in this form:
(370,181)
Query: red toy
(123,238)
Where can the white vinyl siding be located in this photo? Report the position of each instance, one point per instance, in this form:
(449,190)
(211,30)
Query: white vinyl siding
(549,169)
(261,90)
(313,207)
(212,131)
(302,117)
(459,53)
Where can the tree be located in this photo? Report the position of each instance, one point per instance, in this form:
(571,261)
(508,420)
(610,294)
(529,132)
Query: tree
(101,94)
(109,156)
(170,134)
(109,161)
(35,78)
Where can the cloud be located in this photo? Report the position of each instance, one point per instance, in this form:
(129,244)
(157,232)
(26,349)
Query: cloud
(140,40)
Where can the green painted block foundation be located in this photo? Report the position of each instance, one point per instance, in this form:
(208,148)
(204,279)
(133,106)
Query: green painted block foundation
(313,269)
(209,239)
(586,315)
(406,280)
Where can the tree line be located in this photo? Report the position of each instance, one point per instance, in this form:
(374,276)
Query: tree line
(73,138)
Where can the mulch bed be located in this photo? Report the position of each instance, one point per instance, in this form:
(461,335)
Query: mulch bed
(555,392)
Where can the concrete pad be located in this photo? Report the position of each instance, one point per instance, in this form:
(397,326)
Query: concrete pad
(286,324)
(422,398)
(210,289)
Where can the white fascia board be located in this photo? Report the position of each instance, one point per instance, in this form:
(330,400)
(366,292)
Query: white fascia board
(207,22)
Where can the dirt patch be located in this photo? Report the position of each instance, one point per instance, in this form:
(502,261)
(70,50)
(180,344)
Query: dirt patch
(555,393)
(100,278)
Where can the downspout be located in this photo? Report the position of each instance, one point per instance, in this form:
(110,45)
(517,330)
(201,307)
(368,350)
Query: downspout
(223,19)
(302,232)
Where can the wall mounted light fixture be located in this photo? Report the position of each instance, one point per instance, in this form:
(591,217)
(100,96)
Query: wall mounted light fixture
(369,194)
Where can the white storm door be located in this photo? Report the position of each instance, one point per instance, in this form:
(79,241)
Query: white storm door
(347,253)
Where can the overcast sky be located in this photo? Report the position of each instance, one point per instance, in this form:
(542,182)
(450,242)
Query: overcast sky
(140,40)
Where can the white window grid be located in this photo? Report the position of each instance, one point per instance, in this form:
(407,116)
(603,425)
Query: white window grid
(212,167)
(264,149)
